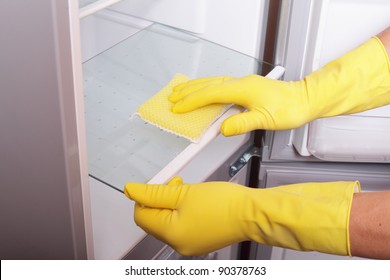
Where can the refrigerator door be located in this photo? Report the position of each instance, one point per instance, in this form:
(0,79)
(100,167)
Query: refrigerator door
(362,137)
(44,201)
(337,27)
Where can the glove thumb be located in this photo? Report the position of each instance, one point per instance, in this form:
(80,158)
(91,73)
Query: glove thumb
(155,205)
(155,196)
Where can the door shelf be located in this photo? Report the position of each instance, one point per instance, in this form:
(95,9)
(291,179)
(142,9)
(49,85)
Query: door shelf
(117,81)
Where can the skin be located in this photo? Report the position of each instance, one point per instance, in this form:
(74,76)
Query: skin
(385,38)
(369,225)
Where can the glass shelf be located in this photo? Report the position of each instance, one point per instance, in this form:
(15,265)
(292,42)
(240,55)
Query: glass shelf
(85,3)
(117,81)
(89,7)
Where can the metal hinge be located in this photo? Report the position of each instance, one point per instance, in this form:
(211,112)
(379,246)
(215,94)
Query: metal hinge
(243,160)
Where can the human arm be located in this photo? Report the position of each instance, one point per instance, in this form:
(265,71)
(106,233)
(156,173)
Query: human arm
(197,219)
(355,82)
(330,217)
(384,36)
(370,213)
(369,226)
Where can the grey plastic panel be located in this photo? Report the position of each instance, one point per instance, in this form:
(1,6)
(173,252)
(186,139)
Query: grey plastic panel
(277,147)
(373,177)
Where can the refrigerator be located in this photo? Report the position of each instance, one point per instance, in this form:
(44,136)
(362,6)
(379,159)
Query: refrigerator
(73,72)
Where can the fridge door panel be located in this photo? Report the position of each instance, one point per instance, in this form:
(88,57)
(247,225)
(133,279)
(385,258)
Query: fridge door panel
(350,138)
(362,137)
(358,19)
(44,180)
(331,29)
(287,254)
(373,177)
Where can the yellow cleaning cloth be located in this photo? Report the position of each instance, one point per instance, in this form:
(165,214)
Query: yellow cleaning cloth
(158,111)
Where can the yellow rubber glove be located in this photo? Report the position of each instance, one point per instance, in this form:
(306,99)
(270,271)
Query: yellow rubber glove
(355,82)
(201,218)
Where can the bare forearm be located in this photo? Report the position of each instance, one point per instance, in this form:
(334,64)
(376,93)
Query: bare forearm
(370,213)
(385,38)
(370,225)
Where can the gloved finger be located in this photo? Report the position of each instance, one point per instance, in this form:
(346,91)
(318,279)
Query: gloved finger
(182,90)
(245,122)
(154,196)
(153,221)
(218,94)
(175,181)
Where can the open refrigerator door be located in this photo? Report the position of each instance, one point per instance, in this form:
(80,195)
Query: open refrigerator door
(361,137)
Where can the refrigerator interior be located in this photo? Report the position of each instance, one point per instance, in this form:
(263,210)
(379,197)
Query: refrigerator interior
(118,80)
(127,59)
(157,53)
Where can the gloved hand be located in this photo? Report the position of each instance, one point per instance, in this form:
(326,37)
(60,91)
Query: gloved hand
(201,218)
(355,82)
